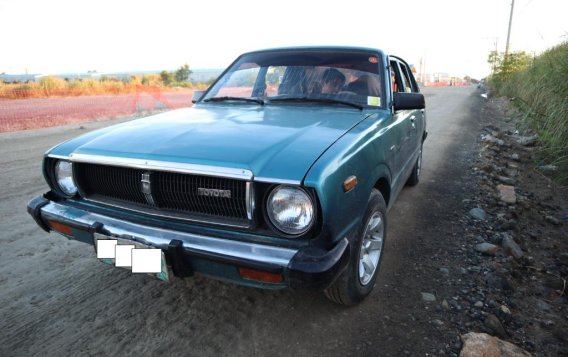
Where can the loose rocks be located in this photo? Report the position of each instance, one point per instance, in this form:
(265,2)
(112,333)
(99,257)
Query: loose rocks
(481,344)
(527,140)
(507,193)
(477,214)
(428,297)
(487,248)
(511,247)
(492,322)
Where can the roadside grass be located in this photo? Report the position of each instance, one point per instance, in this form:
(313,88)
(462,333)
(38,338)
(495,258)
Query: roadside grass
(54,86)
(540,92)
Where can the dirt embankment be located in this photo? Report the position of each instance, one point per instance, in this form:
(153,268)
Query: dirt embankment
(515,243)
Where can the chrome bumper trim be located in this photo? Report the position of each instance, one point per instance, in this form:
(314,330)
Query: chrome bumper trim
(161,238)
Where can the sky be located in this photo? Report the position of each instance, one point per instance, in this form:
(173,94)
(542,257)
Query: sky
(450,36)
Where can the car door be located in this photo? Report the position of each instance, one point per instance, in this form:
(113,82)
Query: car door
(417,117)
(406,120)
(396,139)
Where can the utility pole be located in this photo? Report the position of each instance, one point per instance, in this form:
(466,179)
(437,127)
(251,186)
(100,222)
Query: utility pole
(509,31)
(421,71)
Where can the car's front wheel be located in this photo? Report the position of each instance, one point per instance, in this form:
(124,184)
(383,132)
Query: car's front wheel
(358,279)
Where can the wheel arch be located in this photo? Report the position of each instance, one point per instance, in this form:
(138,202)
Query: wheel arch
(383,186)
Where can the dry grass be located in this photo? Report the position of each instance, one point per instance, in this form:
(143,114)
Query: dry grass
(541,93)
(57,87)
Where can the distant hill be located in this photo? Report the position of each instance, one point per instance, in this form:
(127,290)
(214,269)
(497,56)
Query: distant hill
(197,75)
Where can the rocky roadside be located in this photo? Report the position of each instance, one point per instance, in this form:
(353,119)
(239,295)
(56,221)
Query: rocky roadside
(513,301)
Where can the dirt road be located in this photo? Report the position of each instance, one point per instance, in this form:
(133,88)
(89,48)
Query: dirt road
(33,113)
(57,299)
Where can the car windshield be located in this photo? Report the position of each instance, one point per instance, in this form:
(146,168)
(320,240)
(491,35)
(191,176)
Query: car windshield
(318,77)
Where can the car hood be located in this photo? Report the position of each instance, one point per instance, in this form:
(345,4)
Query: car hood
(274,142)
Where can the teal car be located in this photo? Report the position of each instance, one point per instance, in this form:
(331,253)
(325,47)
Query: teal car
(279,176)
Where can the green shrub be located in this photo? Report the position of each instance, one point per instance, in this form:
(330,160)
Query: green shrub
(166,77)
(541,93)
(182,74)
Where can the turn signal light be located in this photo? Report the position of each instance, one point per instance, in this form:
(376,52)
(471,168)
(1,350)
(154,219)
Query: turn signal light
(60,227)
(263,276)
(349,183)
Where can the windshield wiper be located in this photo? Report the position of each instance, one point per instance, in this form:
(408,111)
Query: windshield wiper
(244,99)
(317,100)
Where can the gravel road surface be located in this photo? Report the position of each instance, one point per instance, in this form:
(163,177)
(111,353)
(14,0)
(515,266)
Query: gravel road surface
(57,299)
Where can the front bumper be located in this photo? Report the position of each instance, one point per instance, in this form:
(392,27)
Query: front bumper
(307,267)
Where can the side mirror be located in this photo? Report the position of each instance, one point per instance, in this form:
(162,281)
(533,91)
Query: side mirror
(406,101)
(197,95)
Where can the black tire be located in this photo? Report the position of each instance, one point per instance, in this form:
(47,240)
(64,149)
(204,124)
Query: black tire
(416,171)
(350,287)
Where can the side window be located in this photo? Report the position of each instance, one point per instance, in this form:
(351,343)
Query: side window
(396,83)
(240,83)
(407,76)
(403,79)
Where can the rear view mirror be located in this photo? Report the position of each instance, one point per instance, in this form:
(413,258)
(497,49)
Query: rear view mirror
(406,101)
(197,95)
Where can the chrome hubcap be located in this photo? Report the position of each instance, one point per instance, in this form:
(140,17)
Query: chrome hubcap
(371,248)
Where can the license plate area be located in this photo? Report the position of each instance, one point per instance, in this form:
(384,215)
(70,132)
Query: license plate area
(134,256)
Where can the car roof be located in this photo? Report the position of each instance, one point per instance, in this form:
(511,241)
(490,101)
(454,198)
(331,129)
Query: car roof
(317,48)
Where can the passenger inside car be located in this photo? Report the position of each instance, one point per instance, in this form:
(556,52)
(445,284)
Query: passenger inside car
(332,81)
(366,84)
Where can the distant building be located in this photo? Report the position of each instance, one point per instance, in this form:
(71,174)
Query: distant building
(434,79)
(76,76)
(442,77)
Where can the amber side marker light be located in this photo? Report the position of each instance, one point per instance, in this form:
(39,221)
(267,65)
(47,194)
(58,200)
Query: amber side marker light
(349,183)
(60,227)
(263,276)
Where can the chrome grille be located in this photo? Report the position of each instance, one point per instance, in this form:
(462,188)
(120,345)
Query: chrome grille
(179,192)
(169,193)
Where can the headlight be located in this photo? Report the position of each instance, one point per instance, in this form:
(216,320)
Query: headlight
(64,177)
(290,209)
